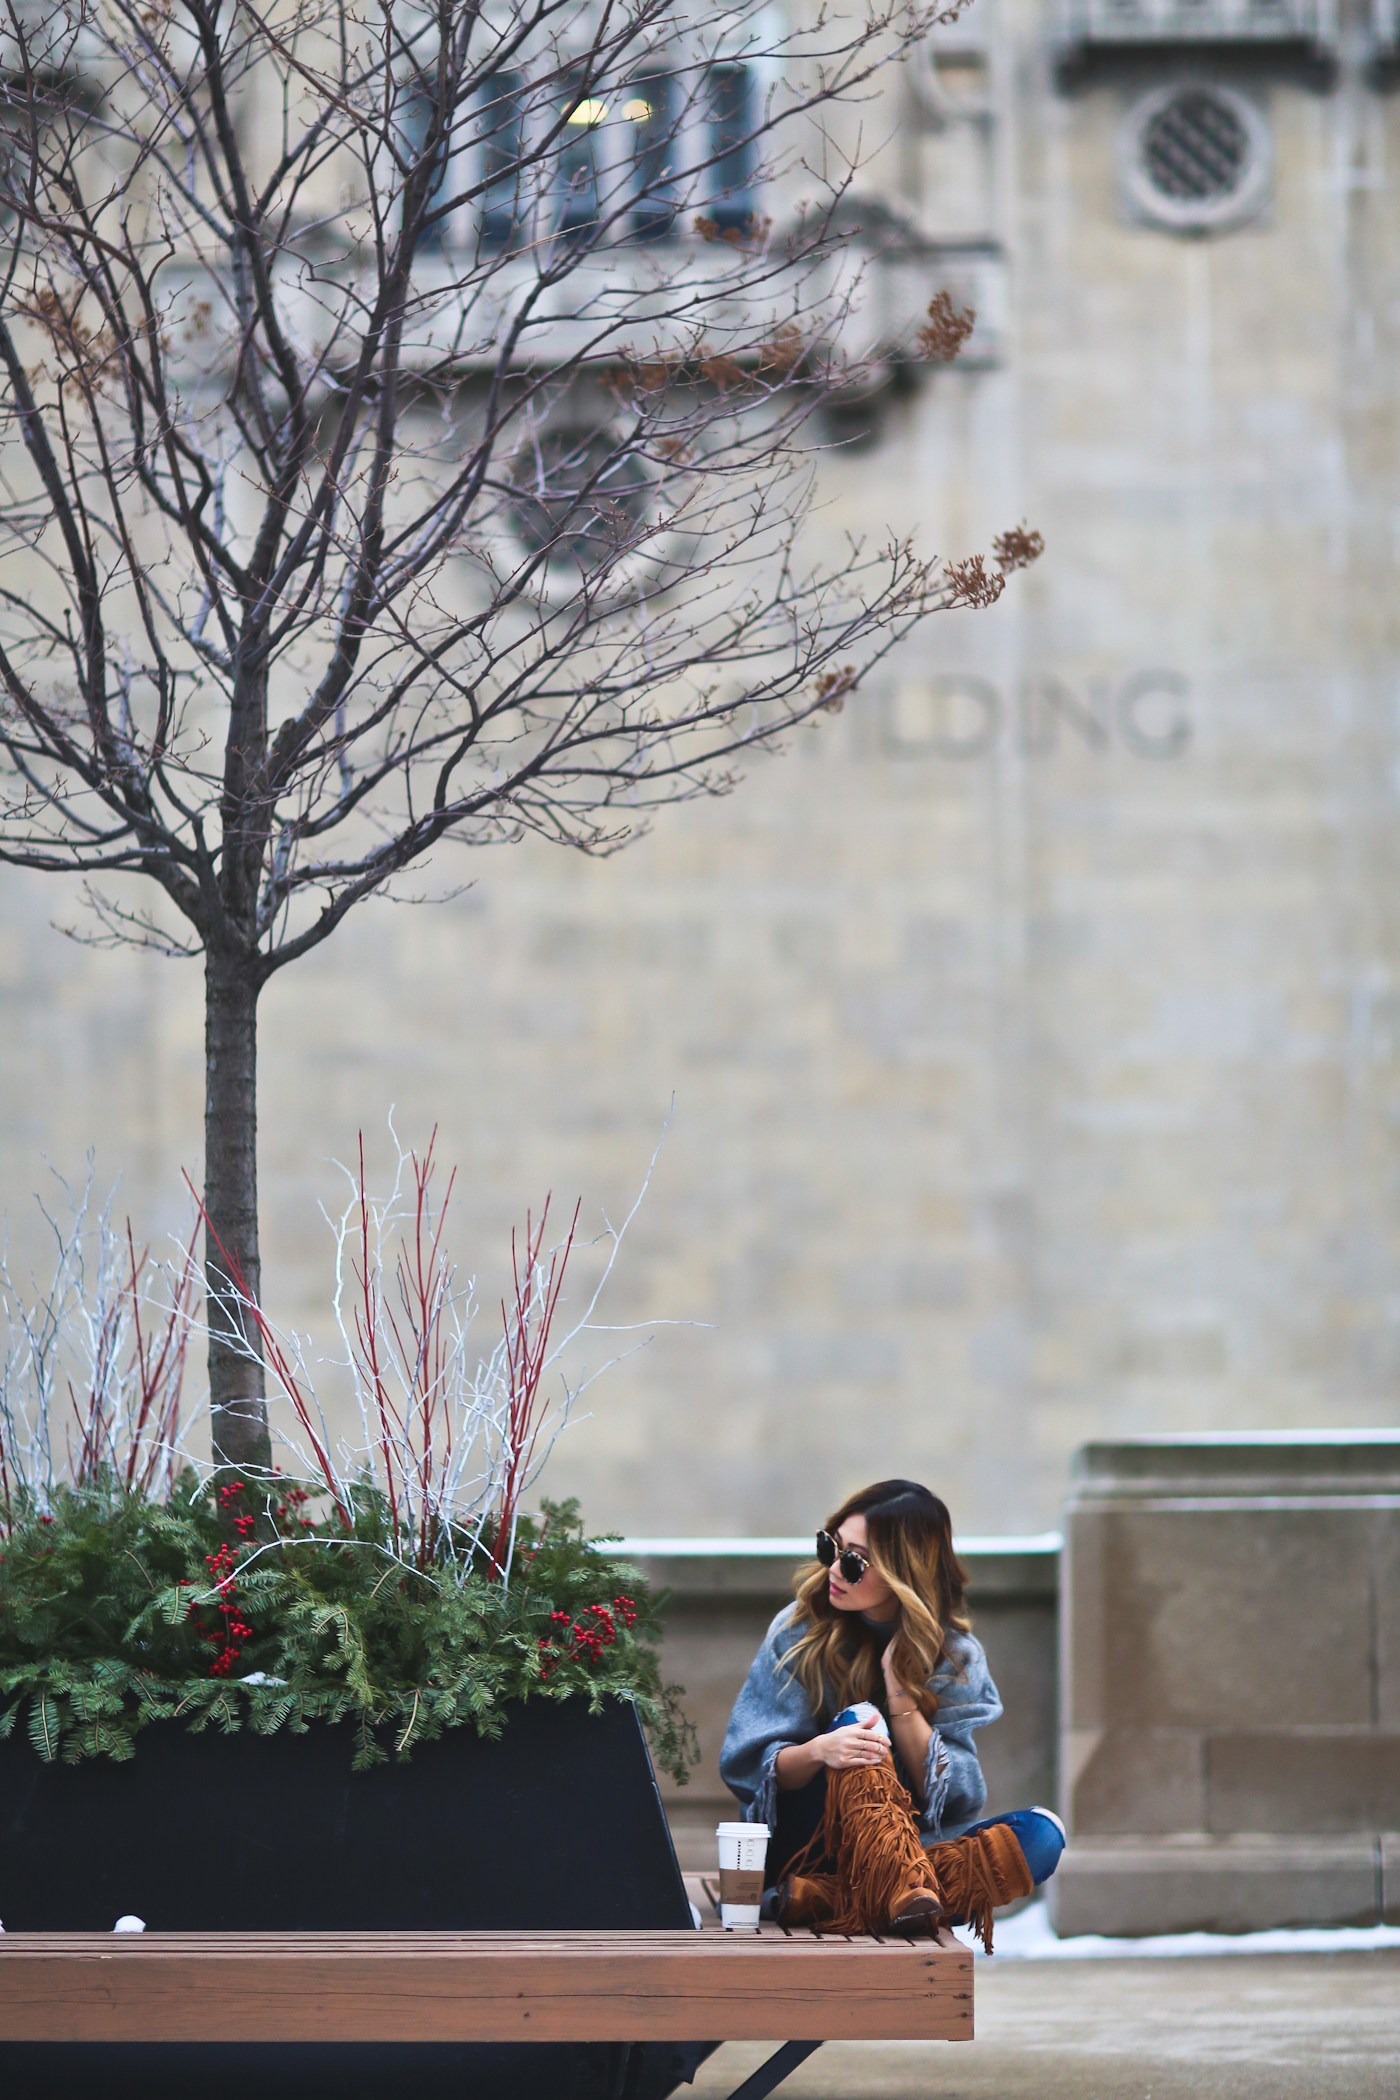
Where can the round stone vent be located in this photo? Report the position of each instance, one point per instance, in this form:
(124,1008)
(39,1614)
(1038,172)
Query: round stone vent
(578,500)
(1195,157)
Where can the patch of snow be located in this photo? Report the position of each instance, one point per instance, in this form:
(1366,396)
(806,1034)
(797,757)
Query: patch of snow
(1029,1937)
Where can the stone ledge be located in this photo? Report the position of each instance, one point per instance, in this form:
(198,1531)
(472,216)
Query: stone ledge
(1223,1467)
(1132,1887)
(761,1569)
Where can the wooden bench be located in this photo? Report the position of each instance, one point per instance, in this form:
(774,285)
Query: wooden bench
(765,1984)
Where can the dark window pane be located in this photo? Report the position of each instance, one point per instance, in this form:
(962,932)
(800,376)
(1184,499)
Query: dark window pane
(1195,147)
(416,122)
(501,130)
(578,161)
(649,110)
(732,118)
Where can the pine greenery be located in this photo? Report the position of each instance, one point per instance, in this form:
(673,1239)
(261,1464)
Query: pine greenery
(116,1610)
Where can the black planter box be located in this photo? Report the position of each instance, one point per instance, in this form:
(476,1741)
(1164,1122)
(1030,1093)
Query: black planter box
(555,1826)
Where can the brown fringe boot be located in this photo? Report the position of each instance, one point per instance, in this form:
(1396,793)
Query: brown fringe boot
(978,1873)
(885,1879)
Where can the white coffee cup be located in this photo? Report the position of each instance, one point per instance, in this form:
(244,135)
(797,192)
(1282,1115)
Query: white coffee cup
(743,1848)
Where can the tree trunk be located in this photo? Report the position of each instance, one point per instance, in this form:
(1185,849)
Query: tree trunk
(237,1386)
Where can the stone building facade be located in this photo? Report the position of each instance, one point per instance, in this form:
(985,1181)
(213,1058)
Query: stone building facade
(1033,1026)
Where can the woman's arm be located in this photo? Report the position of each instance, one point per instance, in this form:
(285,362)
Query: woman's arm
(912,1733)
(953,1789)
(838,1750)
(772,1714)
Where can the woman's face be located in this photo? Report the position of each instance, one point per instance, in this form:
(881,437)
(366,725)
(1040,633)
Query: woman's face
(872,1593)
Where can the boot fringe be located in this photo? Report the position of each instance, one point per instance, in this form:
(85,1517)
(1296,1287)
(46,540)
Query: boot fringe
(870,1833)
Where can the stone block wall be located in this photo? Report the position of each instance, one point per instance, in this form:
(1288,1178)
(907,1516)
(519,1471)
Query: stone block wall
(1230,1741)
(1033,1025)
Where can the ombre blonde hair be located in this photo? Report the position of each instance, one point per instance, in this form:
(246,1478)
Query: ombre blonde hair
(836,1658)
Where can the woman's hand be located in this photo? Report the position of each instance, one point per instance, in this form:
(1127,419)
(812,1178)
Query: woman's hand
(894,1690)
(857,1743)
(841,1749)
(907,1723)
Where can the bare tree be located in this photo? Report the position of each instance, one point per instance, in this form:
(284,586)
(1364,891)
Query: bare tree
(408,429)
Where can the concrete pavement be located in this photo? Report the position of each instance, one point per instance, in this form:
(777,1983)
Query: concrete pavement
(1236,2027)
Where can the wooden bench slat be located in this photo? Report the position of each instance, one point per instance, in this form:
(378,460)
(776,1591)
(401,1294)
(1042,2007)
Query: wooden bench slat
(478,1946)
(490,1987)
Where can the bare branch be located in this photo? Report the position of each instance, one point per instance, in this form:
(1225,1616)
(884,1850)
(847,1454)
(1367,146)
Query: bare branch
(417,425)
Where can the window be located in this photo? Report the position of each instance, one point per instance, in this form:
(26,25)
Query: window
(501,133)
(14,159)
(415,119)
(732,117)
(618,161)
(57,106)
(649,108)
(575,496)
(1195,148)
(581,161)
(1195,158)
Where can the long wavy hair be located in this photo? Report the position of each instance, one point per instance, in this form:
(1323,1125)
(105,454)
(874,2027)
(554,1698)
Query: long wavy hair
(836,1658)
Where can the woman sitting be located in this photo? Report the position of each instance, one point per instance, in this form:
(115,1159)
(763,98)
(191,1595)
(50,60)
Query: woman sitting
(852,1736)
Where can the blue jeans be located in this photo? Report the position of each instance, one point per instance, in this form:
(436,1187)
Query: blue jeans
(1039,1836)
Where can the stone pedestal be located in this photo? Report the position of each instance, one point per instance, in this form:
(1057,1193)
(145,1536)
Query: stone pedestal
(1230,1684)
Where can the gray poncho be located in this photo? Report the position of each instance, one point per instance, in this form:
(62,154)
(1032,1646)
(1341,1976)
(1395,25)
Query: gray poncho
(773,1709)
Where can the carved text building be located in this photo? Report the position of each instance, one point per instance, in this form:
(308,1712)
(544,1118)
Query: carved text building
(1034,1023)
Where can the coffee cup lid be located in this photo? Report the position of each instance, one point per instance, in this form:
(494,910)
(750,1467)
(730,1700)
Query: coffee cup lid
(742,1830)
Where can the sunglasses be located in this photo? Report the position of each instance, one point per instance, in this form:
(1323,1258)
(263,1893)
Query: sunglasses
(853,1563)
